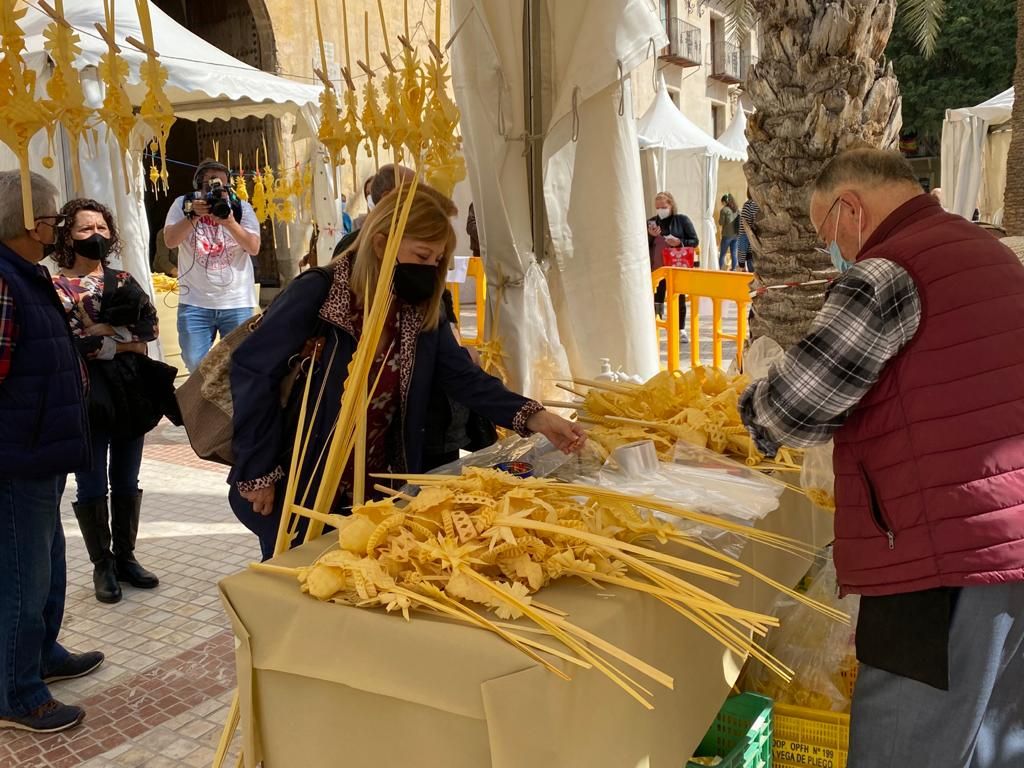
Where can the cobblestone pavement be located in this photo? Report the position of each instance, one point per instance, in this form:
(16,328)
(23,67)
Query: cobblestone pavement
(160,698)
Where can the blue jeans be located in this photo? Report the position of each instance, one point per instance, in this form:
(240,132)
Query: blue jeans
(125,460)
(728,244)
(33,580)
(198,327)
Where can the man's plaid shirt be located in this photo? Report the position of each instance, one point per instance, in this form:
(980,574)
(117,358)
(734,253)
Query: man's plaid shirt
(8,330)
(870,314)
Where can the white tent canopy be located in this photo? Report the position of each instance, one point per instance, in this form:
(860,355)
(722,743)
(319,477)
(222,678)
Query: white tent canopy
(205,86)
(203,82)
(600,279)
(684,161)
(974,157)
(735,136)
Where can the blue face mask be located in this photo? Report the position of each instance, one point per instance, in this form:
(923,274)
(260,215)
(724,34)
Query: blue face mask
(834,251)
(841,264)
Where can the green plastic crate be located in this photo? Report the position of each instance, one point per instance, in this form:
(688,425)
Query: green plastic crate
(741,733)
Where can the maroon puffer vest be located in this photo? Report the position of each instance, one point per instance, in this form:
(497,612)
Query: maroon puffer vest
(930,464)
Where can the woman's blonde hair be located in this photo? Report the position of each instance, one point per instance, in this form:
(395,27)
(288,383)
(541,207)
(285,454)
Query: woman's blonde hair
(429,221)
(671,201)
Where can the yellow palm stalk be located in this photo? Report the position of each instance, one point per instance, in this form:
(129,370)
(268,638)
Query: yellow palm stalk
(156,110)
(330,131)
(241,190)
(372,117)
(116,111)
(412,100)
(67,99)
(21,115)
(352,132)
(259,192)
(443,162)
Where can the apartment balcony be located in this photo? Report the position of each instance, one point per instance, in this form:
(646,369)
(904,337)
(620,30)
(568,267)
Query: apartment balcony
(684,43)
(726,63)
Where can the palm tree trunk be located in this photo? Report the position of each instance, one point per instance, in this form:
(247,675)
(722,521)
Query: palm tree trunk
(1013,199)
(820,87)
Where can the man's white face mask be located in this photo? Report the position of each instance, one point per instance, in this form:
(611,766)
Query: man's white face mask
(369,203)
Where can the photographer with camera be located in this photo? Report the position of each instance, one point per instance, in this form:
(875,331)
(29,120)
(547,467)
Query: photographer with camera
(215,234)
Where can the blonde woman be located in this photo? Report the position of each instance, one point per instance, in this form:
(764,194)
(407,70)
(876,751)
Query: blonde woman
(669,229)
(417,350)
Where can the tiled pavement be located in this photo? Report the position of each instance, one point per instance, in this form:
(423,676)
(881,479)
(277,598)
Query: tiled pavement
(160,698)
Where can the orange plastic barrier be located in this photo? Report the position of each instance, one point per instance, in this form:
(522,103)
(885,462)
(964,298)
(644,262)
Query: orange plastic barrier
(694,284)
(476,271)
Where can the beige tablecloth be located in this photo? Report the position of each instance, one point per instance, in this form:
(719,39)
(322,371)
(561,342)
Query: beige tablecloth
(328,685)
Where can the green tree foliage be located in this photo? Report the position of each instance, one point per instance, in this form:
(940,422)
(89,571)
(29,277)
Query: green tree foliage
(973,61)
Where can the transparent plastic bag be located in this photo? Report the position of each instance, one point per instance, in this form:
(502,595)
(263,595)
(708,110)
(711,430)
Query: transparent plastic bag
(760,356)
(819,650)
(536,450)
(817,476)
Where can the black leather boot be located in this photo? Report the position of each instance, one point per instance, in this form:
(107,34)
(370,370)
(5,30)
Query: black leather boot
(124,521)
(93,522)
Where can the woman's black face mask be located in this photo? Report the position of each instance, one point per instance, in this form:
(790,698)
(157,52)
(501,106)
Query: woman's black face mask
(415,283)
(95,247)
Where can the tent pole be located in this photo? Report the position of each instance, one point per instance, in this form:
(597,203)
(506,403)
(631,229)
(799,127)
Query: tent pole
(535,121)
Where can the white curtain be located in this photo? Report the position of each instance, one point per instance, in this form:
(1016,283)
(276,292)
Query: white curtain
(997,149)
(601,280)
(963,157)
(709,236)
(487,75)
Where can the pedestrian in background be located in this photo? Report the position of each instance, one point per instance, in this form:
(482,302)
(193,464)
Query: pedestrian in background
(729,223)
(748,226)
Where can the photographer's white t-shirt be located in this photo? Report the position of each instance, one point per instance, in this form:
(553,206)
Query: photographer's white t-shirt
(213,270)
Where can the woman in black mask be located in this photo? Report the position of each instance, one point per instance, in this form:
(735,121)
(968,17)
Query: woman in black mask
(111,317)
(323,309)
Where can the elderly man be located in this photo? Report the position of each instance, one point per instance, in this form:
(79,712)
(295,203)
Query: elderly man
(44,436)
(915,366)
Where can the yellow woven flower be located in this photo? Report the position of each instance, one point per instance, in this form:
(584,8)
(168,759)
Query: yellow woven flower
(394,133)
(372,118)
(413,97)
(352,132)
(156,110)
(241,190)
(444,165)
(116,111)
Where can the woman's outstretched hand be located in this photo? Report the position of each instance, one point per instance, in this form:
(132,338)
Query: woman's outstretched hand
(564,435)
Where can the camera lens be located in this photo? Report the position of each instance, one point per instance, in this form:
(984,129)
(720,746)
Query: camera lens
(220,208)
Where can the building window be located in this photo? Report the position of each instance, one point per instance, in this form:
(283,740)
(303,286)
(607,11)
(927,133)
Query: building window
(717,119)
(717,39)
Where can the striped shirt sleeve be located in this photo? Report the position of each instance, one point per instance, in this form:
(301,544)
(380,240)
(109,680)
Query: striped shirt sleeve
(871,313)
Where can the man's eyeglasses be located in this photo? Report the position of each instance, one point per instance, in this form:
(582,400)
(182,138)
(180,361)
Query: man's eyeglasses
(56,220)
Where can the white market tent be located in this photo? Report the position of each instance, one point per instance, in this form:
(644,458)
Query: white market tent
(595,300)
(681,158)
(975,144)
(203,83)
(735,136)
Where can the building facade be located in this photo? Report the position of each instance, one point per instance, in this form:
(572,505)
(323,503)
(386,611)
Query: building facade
(704,65)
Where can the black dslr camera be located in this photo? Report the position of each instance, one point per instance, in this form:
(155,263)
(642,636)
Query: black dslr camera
(220,199)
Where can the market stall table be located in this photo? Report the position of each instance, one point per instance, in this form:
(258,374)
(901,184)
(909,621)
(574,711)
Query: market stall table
(323,684)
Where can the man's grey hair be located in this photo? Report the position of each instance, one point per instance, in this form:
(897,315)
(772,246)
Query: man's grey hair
(12,218)
(868,167)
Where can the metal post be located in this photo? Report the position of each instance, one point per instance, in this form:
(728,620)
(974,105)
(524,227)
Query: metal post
(533,77)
